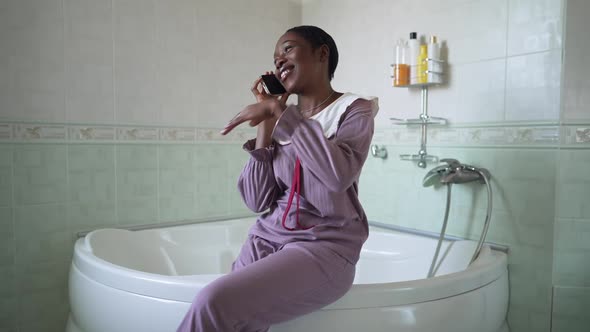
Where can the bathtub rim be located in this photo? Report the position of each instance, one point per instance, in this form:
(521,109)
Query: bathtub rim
(490,266)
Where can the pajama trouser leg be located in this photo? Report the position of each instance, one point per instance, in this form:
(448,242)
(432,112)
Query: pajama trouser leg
(299,278)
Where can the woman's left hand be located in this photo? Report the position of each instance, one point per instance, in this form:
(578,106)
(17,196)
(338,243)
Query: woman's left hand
(256,113)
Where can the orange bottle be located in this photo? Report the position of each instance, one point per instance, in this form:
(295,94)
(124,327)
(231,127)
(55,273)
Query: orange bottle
(401,69)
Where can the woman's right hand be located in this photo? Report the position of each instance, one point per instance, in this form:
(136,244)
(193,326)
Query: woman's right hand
(258,90)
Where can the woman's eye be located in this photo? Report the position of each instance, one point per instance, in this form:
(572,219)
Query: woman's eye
(288,48)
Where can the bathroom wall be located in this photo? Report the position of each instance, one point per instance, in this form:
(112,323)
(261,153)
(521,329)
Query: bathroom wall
(502,100)
(571,269)
(109,113)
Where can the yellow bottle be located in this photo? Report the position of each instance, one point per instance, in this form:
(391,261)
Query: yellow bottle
(423,64)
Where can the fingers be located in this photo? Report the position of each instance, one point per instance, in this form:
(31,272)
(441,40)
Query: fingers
(283,98)
(234,122)
(255,87)
(254,113)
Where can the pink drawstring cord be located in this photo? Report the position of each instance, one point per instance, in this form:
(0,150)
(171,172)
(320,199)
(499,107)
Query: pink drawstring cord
(295,188)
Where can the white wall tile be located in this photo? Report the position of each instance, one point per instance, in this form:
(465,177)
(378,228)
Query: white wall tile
(233,49)
(463,24)
(474,93)
(31,60)
(466,28)
(533,87)
(177,72)
(89,61)
(576,69)
(534,25)
(136,90)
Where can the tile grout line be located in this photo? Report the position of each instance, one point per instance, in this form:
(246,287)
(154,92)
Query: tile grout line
(160,110)
(13,220)
(65,63)
(116,189)
(158,174)
(66,71)
(115,150)
(506,59)
(114,115)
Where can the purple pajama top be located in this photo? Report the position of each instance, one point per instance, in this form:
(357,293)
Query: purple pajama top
(332,147)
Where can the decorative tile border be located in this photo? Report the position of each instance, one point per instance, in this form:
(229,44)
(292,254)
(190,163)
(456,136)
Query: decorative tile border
(60,133)
(33,132)
(90,133)
(5,132)
(575,135)
(137,134)
(178,134)
(537,136)
(572,135)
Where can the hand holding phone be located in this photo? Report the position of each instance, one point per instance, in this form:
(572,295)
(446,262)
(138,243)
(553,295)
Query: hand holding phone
(266,107)
(272,85)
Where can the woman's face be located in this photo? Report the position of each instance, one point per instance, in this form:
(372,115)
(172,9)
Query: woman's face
(297,65)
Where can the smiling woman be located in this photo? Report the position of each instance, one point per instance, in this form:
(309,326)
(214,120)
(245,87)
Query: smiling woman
(295,260)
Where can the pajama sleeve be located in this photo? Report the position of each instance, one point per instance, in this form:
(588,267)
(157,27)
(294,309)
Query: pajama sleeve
(336,162)
(257,183)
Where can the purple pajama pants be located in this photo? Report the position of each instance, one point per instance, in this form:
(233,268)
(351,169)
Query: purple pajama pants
(269,284)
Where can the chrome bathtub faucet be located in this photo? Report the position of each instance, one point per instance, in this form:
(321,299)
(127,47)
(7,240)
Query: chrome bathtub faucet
(455,172)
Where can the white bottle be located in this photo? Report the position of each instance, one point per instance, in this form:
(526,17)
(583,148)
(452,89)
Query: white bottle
(414,48)
(435,68)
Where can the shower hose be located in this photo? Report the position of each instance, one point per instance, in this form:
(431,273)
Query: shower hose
(484,232)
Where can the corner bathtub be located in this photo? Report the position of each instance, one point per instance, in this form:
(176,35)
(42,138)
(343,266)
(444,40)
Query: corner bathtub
(145,280)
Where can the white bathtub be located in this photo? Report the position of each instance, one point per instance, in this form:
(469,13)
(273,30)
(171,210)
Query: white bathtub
(145,281)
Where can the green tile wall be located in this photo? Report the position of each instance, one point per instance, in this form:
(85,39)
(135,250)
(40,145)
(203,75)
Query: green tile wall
(62,189)
(137,184)
(571,267)
(91,186)
(177,181)
(214,179)
(40,174)
(8,293)
(41,234)
(5,176)
(572,249)
(523,184)
(6,237)
(51,191)
(570,309)
(574,184)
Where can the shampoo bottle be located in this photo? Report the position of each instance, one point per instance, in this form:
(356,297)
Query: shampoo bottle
(434,67)
(423,64)
(414,50)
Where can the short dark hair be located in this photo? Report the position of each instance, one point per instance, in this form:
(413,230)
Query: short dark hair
(318,37)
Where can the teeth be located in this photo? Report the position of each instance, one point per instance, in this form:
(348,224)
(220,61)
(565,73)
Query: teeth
(284,73)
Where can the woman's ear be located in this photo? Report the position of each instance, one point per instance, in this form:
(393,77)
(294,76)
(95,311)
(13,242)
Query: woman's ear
(324,53)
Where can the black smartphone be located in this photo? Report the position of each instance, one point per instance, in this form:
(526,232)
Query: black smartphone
(272,85)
